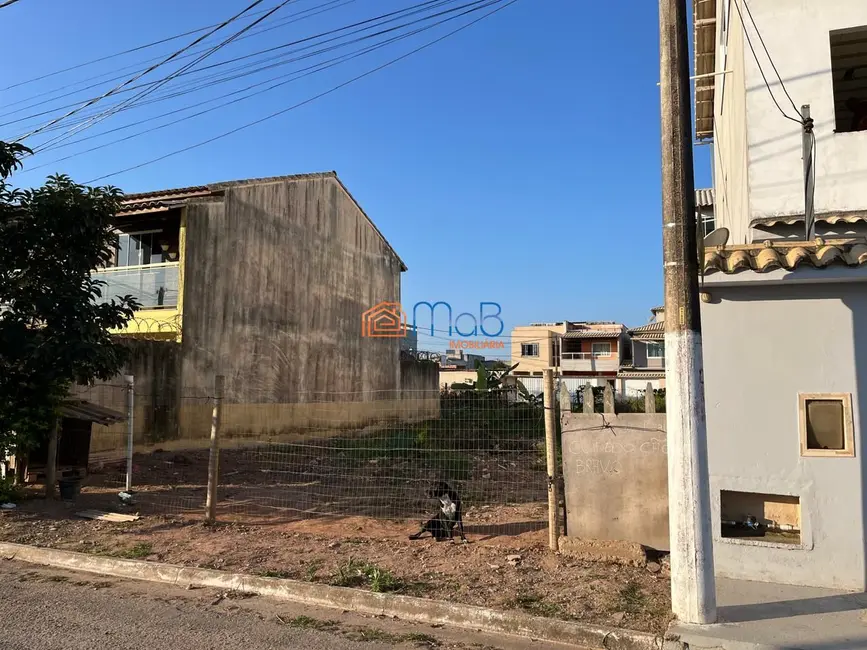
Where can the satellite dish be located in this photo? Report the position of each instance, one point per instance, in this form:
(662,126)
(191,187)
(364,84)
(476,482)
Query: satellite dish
(718,237)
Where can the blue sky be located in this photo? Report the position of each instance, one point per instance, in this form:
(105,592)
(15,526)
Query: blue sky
(515,162)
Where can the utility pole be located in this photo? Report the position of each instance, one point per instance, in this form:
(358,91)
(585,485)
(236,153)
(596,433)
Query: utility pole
(809,172)
(693,589)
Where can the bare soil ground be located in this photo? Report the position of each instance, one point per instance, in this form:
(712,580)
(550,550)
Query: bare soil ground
(375,554)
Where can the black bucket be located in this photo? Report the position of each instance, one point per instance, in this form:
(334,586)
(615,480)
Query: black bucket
(69,488)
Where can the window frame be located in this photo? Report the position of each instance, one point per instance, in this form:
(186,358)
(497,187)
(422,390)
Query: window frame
(138,233)
(647,345)
(848,450)
(835,94)
(531,346)
(595,354)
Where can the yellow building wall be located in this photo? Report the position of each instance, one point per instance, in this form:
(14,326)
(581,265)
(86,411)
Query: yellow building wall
(541,334)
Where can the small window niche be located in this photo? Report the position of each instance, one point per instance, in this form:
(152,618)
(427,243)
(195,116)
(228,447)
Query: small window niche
(849,74)
(762,518)
(825,423)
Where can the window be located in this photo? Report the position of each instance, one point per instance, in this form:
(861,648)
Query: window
(849,74)
(601,349)
(529,349)
(707,222)
(825,423)
(656,349)
(555,352)
(768,518)
(141,248)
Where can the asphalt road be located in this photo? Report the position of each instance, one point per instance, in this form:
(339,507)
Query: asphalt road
(48,609)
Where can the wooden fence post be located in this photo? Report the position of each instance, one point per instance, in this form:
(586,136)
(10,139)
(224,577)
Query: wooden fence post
(551,456)
(214,456)
(51,460)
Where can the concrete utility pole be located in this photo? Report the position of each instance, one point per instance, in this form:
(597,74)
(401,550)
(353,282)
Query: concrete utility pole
(693,590)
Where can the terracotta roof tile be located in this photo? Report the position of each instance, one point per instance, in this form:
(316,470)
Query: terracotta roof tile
(592,334)
(649,331)
(829,218)
(641,373)
(769,255)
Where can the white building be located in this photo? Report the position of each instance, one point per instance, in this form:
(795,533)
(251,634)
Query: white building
(820,52)
(785,321)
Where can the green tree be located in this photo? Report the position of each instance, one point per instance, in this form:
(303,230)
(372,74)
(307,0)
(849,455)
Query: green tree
(53,332)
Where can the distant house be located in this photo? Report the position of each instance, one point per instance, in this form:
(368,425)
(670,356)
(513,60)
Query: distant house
(581,351)
(647,363)
(263,281)
(536,347)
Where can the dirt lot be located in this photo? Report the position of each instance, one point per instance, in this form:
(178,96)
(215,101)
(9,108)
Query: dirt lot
(376,554)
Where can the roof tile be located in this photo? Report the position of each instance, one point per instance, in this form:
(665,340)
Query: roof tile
(770,255)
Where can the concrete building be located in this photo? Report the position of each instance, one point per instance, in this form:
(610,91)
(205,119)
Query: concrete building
(785,434)
(646,364)
(536,347)
(592,351)
(783,319)
(820,51)
(265,282)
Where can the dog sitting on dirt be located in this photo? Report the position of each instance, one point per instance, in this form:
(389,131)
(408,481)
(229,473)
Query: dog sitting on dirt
(448,517)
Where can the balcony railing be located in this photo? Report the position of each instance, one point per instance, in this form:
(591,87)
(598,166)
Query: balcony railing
(154,286)
(587,355)
(589,361)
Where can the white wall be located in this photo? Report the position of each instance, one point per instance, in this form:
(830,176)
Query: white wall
(797,34)
(729,155)
(637,387)
(762,346)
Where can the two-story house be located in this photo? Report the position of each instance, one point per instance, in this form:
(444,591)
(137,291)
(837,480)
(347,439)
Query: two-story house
(647,364)
(591,351)
(783,318)
(263,281)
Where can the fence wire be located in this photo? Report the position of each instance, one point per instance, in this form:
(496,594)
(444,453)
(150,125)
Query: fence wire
(372,455)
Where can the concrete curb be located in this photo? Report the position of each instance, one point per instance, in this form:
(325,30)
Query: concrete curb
(419,610)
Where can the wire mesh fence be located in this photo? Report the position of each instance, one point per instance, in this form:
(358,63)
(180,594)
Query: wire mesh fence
(343,455)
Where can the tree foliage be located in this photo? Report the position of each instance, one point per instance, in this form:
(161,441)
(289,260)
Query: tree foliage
(53,332)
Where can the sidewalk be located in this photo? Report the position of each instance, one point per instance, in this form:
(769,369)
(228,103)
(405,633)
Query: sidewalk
(766,616)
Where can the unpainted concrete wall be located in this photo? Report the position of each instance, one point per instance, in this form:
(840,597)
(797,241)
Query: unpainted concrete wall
(764,344)
(155,366)
(276,279)
(615,470)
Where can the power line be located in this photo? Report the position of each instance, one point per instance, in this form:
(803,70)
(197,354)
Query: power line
(312,70)
(5,4)
(768,54)
(759,65)
(246,71)
(140,75)
(116,54)
(311,99)
(391,16)
(112,110)
(292,18)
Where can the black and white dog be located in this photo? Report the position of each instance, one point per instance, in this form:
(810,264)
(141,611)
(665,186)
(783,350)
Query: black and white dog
(449,515)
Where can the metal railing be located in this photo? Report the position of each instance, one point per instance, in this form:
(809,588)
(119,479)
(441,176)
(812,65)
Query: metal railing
(587,355)
(154,286)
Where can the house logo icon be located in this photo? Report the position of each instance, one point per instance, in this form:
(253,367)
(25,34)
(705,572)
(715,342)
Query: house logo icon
(384,320)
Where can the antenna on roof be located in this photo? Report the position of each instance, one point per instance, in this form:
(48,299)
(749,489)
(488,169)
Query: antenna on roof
(718,237)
